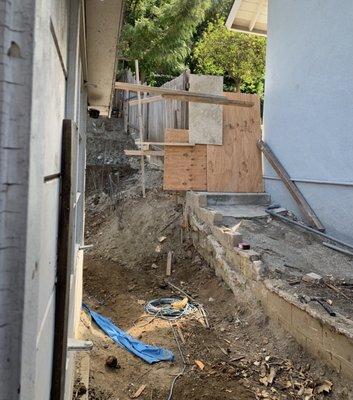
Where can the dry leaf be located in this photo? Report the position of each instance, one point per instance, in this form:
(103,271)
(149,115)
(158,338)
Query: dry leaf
(162,239)
(200,364)
(268,379)
(325,387)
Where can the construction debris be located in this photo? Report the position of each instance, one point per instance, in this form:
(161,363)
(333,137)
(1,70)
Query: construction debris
(112,362)
(312,277)
(200,364)
(138,392)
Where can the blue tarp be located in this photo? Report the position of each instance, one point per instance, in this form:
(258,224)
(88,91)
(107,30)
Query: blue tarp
(150,354)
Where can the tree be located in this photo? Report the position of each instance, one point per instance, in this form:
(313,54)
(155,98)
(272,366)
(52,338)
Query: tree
(159,33)
(239,56)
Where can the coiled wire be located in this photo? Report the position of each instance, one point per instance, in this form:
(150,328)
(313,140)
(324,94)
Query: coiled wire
(162,308)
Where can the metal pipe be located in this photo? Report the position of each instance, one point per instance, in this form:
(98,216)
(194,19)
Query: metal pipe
(333,239)
(313,181)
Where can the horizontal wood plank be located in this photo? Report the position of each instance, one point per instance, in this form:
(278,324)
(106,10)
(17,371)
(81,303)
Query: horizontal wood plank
(156,153)
(183,95)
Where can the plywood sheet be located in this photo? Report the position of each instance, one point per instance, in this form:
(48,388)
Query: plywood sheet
(205,120)
(184,166)
(236,165)
(176,136)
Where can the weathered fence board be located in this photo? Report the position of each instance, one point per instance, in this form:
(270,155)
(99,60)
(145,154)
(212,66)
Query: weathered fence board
(158,116)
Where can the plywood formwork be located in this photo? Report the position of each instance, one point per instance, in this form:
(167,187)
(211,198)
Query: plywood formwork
(184,166)
(236,165)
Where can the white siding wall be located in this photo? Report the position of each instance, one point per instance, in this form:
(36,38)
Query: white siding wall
(56,57)
(308,114)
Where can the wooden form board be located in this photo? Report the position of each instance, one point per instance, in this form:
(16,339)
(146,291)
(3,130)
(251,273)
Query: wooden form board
(236,166)
(184,166)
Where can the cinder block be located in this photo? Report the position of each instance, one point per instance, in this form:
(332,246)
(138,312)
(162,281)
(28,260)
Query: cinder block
(338,344)
(211,217)
(279,309)
(307,325)
(227,238)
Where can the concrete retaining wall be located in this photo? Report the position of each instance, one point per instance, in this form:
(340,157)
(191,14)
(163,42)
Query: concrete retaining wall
(330,341)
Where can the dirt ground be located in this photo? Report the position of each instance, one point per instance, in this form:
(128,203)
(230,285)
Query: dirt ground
(238,350)
(241,355)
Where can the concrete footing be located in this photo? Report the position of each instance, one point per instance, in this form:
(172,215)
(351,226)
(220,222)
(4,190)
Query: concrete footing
(327,338)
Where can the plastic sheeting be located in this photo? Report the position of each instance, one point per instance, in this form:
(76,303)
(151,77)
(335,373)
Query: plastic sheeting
(148,353)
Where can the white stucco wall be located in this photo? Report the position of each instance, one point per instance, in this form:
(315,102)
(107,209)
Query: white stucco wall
(308,114)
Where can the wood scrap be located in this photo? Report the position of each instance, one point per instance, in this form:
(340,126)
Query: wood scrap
(168,270)
(155,153)
(182,338)
(139,391)
(200,364)
(334,288)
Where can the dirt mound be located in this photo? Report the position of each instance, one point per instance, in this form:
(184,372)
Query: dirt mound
(133,231)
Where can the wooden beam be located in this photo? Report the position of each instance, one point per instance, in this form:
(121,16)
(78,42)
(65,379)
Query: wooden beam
(233,13)
(156,153)
(146,100)
(63,274)
(303,205)
(256,15)
(183,95)
(166,144)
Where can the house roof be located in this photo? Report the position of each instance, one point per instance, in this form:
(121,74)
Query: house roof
(103,25)
(248,16)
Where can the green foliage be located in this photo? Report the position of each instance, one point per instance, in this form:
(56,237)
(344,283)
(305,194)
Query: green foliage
(159,34)
(237,56)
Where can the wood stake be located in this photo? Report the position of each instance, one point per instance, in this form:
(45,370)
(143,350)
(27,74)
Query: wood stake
(168,271)
(140,128)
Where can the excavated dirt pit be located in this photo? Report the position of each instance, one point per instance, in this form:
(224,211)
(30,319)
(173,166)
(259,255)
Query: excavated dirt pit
(240,351)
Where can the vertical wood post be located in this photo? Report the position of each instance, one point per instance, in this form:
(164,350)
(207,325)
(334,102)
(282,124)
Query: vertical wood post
(140,128)
(62,290)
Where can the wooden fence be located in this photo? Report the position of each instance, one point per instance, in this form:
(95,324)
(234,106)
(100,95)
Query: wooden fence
(159,115)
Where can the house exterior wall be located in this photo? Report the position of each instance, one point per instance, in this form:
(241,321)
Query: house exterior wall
(308,117)
(41,83)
